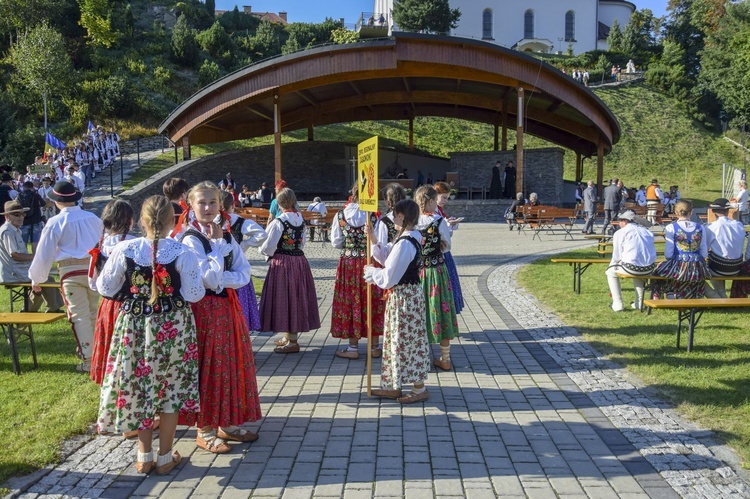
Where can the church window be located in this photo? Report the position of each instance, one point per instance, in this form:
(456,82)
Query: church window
(570,26)
(487,24)
(528,24)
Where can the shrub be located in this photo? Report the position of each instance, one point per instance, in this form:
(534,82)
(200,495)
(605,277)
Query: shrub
(208,73)
(184,46)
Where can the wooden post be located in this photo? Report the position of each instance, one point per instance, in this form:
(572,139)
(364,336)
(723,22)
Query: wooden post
(497,139)
(579,167)
(519,144)
(186,148)
(277,137)
(600,170)
(310,134)
(504,140)
(369,314)
(411,133)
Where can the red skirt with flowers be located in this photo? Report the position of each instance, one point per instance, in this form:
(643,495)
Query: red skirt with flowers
(349,319)
(228,387)
(105,322)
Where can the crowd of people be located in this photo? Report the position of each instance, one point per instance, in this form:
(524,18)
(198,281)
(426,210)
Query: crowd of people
(162,321)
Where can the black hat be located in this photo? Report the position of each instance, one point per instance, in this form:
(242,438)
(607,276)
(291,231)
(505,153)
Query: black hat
(654,181)
(64,192)
(6,177)
(720,204)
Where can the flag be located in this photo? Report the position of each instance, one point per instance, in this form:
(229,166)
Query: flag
(91,127)
(52,144)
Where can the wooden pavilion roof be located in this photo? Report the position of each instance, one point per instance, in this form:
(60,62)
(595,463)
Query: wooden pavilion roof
(401,77)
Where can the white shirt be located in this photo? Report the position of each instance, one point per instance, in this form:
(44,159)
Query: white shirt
(275,229)
(688,226)
(44,191)
(640,197)
(742,201)
(77,182)
(108,244)
(354,216)
(726,237)
(445,232)
(69,234)
(633,244)
(319,207)
(395,258)
(253,234)
(140,250)
(211,266)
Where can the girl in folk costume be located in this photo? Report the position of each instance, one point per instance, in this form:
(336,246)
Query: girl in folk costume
(152,367)
(117,219)
(442,324)
(444,191)
(349,318)
(386,228)
(247,233)
(406,349)
(228,388)
(288,303)
(686,250)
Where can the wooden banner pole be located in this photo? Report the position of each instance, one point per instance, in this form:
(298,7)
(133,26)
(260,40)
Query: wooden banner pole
(369,316)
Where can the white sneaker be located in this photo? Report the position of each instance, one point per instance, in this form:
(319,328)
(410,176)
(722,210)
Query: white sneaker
(616,309)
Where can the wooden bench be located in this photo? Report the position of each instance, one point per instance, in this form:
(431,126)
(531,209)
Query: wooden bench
(18,325)
(258,215)
(579,267)
(649,278)
(691,310)
(549,218)
(324,228)
(19,292)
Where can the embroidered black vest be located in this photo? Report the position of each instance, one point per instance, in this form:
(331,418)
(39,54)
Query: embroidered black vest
(136,291)
(411,276)
(355,240)
(391,227)
(291,239)
(432,254)
(236,229)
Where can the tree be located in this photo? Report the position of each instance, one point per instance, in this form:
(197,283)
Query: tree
(129,21)
(211,7)
(614,39)
(603,65)
(343,35)
(95,20)
(432,16)
(184,46)
(208,73)
(42,62)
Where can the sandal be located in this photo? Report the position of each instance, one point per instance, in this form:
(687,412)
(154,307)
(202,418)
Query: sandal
(412,397)
(445,365)
(282,342)
(239,435)
(213,444)
(166,468)
(288,348)
(388,393)
(377,353)
(347,354)
(84,367)
(145,467)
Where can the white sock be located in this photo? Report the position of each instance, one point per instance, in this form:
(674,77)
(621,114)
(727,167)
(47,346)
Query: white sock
(292,337)
(164,459)
(146,457)
(352,348)
(445,353)
(418,390)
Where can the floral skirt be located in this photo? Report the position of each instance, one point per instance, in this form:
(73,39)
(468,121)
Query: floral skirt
(685,279)
(741,289)
(228,387)
(105,324)
(249,304)
(349,316)
(458,296)
(440,317)
(152,367)
(289,303)
(406,351)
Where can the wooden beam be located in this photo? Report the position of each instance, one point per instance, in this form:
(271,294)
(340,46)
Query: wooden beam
(277,137)
(519,143)
(186,153)
(310,133)
(496,143)
(579,167)
(504,143)
(600,169)
(262,114)
(307,96)
(411,133)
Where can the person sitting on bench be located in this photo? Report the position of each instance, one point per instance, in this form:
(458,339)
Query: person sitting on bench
(633,252)
(725,239)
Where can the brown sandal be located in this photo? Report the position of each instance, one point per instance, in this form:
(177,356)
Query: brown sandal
(213,444)
(386,393)
(411,397)
(288,348)
(346,354)
(445,365)
(377,353)
(282,342)
(237,435)
(166,468)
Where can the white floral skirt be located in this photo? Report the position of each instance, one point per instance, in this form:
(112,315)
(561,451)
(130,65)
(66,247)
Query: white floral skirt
(406,351)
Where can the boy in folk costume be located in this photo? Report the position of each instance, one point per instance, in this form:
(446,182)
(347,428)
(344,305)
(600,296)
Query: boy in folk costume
(726,240)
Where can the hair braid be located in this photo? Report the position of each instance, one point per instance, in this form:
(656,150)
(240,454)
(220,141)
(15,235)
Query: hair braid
(154,247)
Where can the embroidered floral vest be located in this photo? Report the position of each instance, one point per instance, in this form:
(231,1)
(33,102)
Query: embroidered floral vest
(687,244)
(391,226)
(355,240)
(432,254)
(136,291)
(291,239)
(236,229)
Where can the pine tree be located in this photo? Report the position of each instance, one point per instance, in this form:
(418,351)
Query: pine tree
(184,47)
(432,16)
(211,7)
(614,39)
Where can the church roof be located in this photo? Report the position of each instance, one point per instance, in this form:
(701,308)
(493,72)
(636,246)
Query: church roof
(603,31)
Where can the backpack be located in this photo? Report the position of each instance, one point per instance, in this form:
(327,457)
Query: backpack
(31,200)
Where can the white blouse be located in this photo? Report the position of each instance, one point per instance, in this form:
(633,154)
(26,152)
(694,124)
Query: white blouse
(108,244)
(687,225)
(395,257)
(211,266)
(140,250)
(275,229)
(445,232)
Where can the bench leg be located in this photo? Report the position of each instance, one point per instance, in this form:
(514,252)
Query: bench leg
(695,316)
(11,337)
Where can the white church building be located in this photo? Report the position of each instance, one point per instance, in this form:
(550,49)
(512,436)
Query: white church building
(535,25)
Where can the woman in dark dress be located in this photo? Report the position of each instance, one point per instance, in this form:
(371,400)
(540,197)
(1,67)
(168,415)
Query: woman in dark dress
(496,187)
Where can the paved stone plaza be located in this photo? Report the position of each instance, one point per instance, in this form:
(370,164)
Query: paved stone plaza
(530,410)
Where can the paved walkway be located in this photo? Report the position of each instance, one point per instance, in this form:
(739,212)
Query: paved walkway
(530,410)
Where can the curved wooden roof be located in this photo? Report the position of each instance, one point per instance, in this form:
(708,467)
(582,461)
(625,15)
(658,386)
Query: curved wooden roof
(404,76)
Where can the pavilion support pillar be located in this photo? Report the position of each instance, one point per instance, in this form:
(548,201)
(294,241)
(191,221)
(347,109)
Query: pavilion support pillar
(310,133)
(497,137)
(504,140)
(600,170)
(277,137)
(186,153)
(579,167)
(519,144)
(411,133)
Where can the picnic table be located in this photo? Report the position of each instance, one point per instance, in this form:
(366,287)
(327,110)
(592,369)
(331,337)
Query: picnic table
(19,291)
(18,325)
(580,265)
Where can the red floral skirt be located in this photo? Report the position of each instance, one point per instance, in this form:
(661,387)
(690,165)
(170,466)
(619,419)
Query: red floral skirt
(105,323)
(349,319)
(228,388)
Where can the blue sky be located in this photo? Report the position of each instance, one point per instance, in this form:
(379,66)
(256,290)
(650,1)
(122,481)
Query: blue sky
(350,10)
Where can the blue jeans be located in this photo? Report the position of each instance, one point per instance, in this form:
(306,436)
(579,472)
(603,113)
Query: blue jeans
(30,233)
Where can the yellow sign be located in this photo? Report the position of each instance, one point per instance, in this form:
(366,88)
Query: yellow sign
(367,174)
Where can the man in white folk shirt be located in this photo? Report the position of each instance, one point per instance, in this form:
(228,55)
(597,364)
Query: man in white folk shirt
(634,253)
(725,239)
(66,239)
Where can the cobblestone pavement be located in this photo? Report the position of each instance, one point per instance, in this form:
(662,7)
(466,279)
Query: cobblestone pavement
(530,410)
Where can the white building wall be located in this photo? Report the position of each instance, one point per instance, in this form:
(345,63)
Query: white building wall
(608,12)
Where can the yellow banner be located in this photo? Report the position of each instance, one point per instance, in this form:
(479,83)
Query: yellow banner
(367,174)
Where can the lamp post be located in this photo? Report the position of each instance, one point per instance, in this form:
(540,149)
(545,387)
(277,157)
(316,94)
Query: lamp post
(560,39)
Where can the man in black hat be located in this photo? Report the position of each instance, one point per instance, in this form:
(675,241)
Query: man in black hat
(725,239)
(66,239)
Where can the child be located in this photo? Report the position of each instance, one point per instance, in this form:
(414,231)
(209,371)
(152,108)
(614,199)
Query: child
(228,388)
(406,351)
(117,218)
(247,233)
(152,368)
(349,315)
(386,229)
(685,250)
(444,191)
(288,303)
(442,324)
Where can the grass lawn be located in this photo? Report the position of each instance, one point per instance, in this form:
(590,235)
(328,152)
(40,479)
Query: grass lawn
(709,385)
(41,408)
